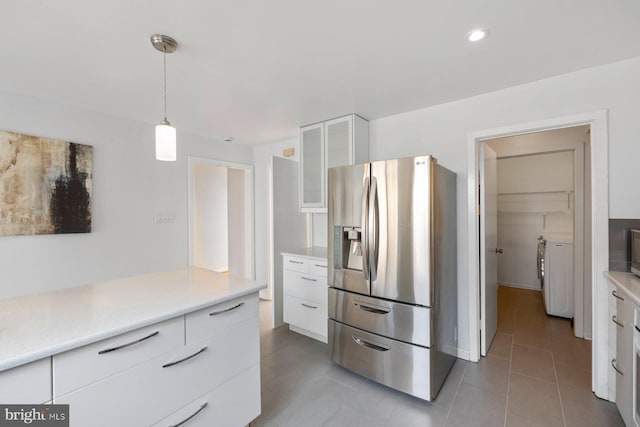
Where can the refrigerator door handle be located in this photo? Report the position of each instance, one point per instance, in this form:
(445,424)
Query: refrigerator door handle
(371,308)
(364,233)
(364,343)
(373,228)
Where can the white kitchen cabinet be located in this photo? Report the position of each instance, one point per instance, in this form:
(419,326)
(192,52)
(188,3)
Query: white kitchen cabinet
(234,403)
(337,142)
(305,295)
(203,323)
(30,383)
(623,361)
(183,359)
(85,365)
(145,393)
(133,351)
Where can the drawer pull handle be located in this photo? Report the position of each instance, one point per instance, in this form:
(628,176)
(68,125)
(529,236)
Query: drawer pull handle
(372,309)
(129,344)
(613,363)
(320,265)
(185,359)
(367,344)
(615,320)
(204,405)
(309,306)
(615,294)
(296,262)
(215,313)
(309,279)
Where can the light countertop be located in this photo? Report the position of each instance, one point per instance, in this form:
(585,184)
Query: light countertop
(627,282)
(36,326)
(314,252)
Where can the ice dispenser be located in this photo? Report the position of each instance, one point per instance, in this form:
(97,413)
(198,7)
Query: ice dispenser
(350,247)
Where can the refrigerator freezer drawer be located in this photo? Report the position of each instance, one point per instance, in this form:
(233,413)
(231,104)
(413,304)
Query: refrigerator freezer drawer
(395,320)
(401,366)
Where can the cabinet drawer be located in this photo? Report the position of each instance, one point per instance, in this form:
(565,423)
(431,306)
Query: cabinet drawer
(85,365)
(305,314)
(30,383)
(147,393)
(295,264)
(211,320)
(319,268)
(235,403)
(135,397)
(399,321)
(305,286)
(402,366)
(227,353)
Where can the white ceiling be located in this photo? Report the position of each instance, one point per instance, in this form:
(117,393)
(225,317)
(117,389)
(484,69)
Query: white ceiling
(257,70)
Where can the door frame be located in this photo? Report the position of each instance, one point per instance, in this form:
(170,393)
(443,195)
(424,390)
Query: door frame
(598,120)
(249,243)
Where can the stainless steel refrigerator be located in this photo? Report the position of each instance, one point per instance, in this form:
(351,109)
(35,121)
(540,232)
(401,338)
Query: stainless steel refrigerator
(392,272)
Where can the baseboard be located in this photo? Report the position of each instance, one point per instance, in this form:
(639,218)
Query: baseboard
(463,354)
(519,286)
(310,334)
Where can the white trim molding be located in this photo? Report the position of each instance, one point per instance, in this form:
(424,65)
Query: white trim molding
(598,120)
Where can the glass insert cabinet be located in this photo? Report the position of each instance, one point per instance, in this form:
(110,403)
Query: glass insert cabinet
(336,142)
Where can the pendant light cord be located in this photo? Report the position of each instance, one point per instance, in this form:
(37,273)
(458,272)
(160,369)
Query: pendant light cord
(164,58)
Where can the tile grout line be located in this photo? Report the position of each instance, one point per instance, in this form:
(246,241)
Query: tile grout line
(506,404)
(455,395)
(555,371)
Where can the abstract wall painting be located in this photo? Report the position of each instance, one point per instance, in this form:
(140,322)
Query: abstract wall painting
(45,185)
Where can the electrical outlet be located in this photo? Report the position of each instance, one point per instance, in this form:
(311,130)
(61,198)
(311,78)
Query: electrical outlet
(165,217)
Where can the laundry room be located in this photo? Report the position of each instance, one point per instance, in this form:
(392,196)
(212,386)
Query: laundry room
(543,239)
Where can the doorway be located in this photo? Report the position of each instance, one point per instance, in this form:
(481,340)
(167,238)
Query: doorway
(221,216)
(540,204)
(599,231)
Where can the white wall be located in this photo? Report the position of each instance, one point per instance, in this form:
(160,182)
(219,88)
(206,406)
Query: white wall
(129,186)
(211,227)
(442,131)
(320,234)
(536,172)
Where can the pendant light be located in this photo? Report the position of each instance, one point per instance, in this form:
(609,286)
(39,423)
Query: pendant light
(165,133)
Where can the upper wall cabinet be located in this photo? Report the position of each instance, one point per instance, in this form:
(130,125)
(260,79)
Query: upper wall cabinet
(338,142)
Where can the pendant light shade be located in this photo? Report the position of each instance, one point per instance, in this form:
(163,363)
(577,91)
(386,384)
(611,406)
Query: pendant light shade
(165,133)
(165,142)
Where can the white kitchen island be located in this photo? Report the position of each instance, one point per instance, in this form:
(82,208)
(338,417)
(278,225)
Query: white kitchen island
(144,350)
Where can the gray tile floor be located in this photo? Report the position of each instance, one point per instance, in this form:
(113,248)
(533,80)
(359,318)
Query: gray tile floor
(536,374)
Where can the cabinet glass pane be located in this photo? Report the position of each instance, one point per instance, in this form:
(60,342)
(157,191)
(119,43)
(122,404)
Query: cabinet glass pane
(338,144)
(312,169)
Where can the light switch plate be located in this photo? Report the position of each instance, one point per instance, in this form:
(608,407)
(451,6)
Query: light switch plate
(165,217)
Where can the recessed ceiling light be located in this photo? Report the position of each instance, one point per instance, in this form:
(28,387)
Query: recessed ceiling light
(477,35)
(228,139)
